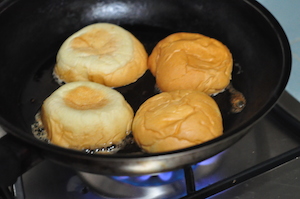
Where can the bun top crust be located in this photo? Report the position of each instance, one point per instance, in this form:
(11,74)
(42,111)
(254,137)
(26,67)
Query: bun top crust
(103,53)
(191,61)
(176,120)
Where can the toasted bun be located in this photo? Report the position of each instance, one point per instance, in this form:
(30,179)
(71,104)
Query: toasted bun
(176,120)
(86,115)
(191,61)
(102,53)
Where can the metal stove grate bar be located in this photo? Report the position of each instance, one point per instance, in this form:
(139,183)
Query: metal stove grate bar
(189,180)
(16,191)
(244,175)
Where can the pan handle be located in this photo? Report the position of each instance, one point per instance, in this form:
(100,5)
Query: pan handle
(16,158)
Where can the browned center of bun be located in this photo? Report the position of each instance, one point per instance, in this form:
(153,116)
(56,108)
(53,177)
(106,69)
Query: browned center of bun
(83,98)
(95,43)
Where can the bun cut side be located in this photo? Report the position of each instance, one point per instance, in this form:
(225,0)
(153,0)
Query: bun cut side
(176,120)
(191,61)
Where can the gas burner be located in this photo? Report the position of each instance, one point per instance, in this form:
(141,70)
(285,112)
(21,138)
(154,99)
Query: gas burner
(160,185)
(258,163)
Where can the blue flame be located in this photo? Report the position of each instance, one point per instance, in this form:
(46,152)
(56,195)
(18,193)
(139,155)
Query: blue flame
(143,178)
(210,161)
(152,180)
(162,178)
(166,176)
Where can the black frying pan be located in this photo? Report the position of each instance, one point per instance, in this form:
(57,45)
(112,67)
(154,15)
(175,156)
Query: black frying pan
(33,30)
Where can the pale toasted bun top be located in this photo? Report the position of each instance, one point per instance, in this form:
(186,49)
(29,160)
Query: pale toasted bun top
(103,53)
(86,115)
(191,61)
(176,120)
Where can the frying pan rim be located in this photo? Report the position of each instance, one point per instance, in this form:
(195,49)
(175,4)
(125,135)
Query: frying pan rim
(287,61)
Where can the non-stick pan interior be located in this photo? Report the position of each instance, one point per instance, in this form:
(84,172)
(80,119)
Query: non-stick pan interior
(33,30)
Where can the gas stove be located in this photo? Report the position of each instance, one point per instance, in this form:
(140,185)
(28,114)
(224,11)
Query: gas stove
(263,164)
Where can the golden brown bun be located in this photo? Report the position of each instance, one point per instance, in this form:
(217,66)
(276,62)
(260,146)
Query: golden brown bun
(86,115)
(176,120)
(103,53)
(191,61)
